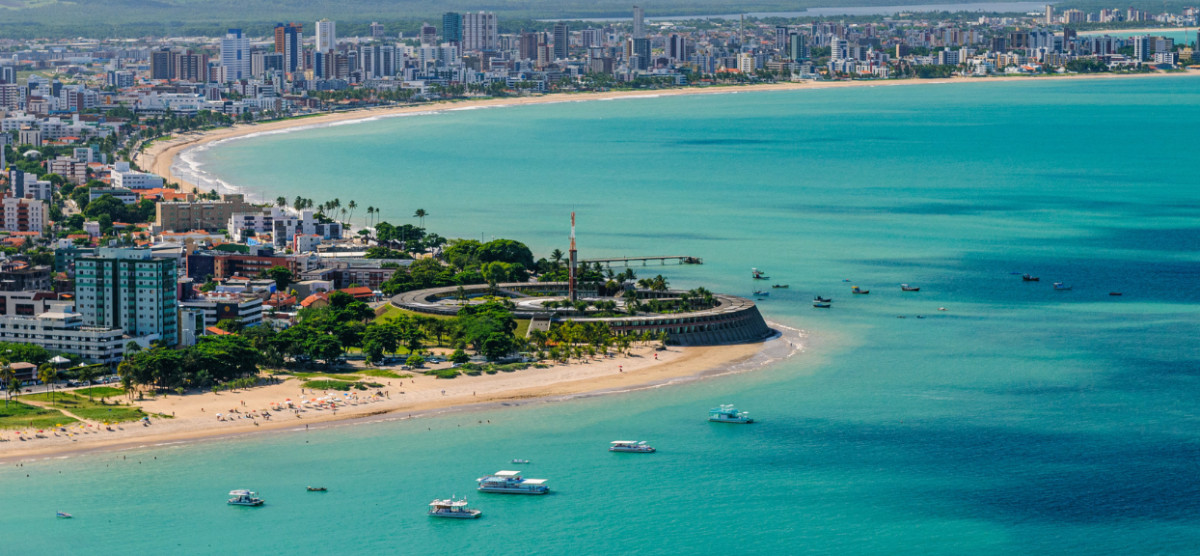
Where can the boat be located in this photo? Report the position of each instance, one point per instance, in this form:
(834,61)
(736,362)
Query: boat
(244,498)
(1061,286)
(820,305)
(452,508)
(908,288)
(858,291)
(758,274)
(1115,294)
(62,515)
(819,299)
(1028,278)
(635,446)
(727,413)
(781,286)
(511,482)
(318,489)
(520,461)
(761,293)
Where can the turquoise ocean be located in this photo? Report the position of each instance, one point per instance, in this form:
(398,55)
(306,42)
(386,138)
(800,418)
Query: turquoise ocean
(1019,420)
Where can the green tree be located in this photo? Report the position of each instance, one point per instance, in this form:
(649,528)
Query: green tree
(9,377)
(281,275)
(421,214)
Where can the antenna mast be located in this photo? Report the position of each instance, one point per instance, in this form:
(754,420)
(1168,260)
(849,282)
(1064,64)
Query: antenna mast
(574,295)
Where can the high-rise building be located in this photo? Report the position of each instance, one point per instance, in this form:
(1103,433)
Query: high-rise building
(798,47)
(480,31)
(677,47)
(527,46)
(162,64)
(235,55)
(428,35)
(781,37)
(376,30)
(129,289)
(288,41)
(592,38)
(640,52)
(639,27)
(8,74)
(1141,48)
(562,41)
(839,49)
(452,27)
(378,61)
(326,35)
(1049,14)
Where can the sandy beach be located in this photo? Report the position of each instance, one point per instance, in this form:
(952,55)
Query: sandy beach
(160,155)
(241,412)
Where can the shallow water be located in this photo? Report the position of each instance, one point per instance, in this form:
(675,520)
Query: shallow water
(1021,419)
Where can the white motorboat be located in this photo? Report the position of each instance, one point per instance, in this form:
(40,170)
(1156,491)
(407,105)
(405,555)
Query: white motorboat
(452,508)
(727,413)
(634,446)
(244,498)
(511,482)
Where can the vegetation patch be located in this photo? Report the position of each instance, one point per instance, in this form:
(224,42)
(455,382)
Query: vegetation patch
(100,392)
(443,373)
(16,415)
(95,410)
(383,373)
(326,376)
(339,385)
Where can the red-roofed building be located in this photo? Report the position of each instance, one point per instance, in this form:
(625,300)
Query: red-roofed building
(316,300)
(217,331)
(360,293)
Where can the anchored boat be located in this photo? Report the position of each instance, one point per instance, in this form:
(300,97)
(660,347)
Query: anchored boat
(758,274)
(635,446)
(908,288)
(452,508)
(510,482)
(1029,278)
(1061,286)
(244,498)
(859,291)
(62,515)
(727,413)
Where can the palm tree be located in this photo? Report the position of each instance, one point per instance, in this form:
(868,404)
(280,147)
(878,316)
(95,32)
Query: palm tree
(557,256)
(298,203)
(351,205)
(47,374)
(421,214)
(9,377)
(281,202)
(371,216)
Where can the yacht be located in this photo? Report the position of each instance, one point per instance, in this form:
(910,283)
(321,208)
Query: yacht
(244,498)
(727,413)
(452,508)
(510,482)
(631,446)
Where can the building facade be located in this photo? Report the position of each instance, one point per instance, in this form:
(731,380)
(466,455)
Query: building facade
(128,289)
(61,329)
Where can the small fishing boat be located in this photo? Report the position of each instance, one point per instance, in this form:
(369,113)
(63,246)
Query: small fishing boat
(819,299)
(452,508)
(908,288)
(634,446)
(782,286)
(1028,278)
(758,274)
(822,305)
(62,515)
(762,293)
(244,498)
(520,461)
(1061,286)
(1115,294)
(318,489)
(858,291)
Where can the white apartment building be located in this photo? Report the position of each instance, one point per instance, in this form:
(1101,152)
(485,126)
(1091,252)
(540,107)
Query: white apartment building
(235,55)
(283,225)
(25,215)
(61,329)
(246,309)
(326,35)
(480,31)
(122,176)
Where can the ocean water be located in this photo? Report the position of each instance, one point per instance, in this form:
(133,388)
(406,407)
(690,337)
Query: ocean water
(1019,420)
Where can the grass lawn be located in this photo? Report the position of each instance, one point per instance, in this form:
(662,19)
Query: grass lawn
(21,416)
(327,376)
(393,312)
(89,409)
(522,328)
(100,392)
(382,373)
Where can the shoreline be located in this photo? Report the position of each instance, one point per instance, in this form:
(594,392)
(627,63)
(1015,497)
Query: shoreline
(597,377)
(161,156)
(1140,30)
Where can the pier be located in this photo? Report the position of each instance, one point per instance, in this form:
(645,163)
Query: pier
(681,259)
